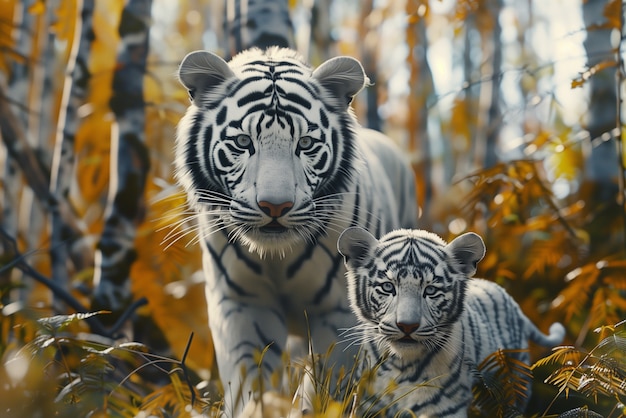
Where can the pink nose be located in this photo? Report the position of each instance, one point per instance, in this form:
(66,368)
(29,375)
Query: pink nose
(275,210)
(407,328)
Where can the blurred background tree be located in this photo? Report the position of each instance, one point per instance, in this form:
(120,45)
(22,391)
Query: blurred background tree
(511,113)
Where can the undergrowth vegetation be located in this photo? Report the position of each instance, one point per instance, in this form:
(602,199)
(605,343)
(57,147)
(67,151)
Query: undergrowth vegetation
(52,366)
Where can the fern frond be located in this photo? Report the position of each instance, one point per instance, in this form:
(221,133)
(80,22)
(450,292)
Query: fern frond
(582,412)
(54,324)
(579,290)
(503,383)
(599,373)
(615,343)
(560,355)
(546,252)
(566,378)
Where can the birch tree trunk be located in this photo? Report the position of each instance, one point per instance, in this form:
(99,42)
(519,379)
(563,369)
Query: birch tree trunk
(421,89)
(601,166)
(74,93)
(15,117)
(19,80)
(470,100)
(10,175)
(368,58)
(26,109)
(319,40)
(38,100)
(18,150)
(129,163)
(493,117)
(260,23)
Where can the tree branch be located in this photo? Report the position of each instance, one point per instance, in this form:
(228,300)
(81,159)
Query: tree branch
(130,162)
(19,262)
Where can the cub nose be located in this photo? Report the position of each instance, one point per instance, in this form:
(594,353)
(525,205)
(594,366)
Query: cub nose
(407,328)
(275,210)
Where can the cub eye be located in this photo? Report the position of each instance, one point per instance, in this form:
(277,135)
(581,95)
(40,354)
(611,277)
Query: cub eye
(387,287)
(243,141)
(430,290)
(305,143)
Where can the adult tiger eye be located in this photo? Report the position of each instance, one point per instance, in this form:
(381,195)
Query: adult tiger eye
(305,143)
(387,287)
(243,141)
(430,290)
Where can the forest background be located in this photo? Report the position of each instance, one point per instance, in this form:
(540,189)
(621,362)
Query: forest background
(511,113)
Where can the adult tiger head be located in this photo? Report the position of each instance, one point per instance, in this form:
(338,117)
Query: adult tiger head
(267,145)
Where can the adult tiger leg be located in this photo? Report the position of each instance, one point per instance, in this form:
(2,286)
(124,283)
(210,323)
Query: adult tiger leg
(332,357)
(249,336)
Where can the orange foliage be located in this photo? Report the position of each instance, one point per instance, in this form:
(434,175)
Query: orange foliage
(164,274)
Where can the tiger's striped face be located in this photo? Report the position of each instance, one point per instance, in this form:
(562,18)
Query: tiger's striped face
(267,145)
(408,289)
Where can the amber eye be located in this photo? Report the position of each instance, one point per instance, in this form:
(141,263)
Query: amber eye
(305,143)
(243,141)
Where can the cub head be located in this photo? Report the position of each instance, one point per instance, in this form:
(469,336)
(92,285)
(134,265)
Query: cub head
(408,288)
(267,145)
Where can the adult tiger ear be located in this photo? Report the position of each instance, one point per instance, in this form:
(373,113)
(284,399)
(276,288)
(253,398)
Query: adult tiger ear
(343,77)
(465,251)
(356,245)
(200,71)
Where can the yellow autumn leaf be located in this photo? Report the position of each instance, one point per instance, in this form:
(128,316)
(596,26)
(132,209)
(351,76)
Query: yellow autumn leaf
(65,22)
(565,161)
(37,8)
(7,42)
(613,12)
(542,138)
(460,123)
(586,75)
(169,279)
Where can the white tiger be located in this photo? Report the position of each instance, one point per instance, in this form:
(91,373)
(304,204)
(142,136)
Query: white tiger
(275,167)
(425,322)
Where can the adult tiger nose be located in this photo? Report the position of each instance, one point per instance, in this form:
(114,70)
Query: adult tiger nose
(275,210)
(407,328)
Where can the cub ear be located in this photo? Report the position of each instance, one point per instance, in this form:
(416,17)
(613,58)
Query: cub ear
(343,77)
(201,71)
(466,251)
(356,245)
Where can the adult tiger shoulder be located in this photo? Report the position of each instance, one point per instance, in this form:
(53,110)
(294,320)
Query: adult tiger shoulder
(275,167)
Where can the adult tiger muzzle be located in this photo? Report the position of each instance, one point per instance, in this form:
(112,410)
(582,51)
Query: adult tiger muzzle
(275,211)
(276,182)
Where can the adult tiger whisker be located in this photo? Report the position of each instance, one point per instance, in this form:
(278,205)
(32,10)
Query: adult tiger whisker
(185,222)
(213,194)
(172,238)
(175,228)
(176,234)
(369,213)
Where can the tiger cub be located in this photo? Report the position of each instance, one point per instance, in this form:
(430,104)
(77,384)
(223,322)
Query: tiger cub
(425,323)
